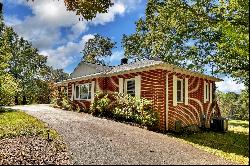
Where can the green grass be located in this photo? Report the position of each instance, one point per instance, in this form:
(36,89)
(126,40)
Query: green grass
(18,123)
(232,145)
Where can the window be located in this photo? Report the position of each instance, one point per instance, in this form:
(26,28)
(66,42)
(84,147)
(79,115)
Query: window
(180,90)
(83,91)
(207,92)
(130,87)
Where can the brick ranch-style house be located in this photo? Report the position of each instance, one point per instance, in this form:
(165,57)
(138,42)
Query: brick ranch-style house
(176,93)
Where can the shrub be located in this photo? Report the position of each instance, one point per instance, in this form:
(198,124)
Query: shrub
(102,105)
(125,108)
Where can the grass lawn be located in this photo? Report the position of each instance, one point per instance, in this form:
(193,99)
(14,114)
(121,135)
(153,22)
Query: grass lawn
(17,123)
(232,145)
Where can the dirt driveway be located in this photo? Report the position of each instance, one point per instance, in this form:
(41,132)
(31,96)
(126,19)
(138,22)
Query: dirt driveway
(94,140)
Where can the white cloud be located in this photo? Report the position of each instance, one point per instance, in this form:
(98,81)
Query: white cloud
(103,18)
(42,28)
(64,55)
(228,85)
(117,56)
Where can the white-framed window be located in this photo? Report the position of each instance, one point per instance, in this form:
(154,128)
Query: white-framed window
(83,91)
(207,92)
(180,90)
(129,86)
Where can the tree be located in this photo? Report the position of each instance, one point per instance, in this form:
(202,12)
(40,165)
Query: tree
(228,103)
(233,105)
(25,64)
(24,75)
(97,48)
(243,105)
(8,86)
(194,34)
(54,75)
(88,8)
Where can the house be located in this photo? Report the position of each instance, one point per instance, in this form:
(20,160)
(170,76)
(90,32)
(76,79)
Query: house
(176,93)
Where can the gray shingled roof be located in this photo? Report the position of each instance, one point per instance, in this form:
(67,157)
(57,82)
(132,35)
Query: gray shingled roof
(106,70)
(134,65)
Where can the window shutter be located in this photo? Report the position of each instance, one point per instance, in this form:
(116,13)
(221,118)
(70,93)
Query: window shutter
(120,85)
(92,91)
(186,91)
(174,90)
(72,93)
(205,91)
(211,92)
(138,86)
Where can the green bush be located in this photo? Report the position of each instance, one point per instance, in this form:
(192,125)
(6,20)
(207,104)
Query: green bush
(103,105)
(125,108)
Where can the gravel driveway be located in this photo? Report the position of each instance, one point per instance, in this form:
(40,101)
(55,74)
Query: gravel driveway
(94,140)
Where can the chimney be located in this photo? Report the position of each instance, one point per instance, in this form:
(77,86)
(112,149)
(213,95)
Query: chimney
(124,61)
(1,7)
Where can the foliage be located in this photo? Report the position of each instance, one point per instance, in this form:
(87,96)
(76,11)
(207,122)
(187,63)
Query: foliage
(8,88)
(24,75)
(8,85)
(88,9)
(17,123)
(54,75)
(125,108)
(60,99)
(233,105)
(232,145)
(97,48)
(103,105)
(197,35)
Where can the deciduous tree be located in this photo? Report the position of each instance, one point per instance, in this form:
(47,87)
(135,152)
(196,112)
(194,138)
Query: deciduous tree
(88,9)
(194,34)
(97,48)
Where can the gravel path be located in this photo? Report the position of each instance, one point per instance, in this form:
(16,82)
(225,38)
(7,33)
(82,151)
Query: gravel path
(94,140)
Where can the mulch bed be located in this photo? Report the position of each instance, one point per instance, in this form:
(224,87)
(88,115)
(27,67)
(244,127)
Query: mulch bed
(32,150)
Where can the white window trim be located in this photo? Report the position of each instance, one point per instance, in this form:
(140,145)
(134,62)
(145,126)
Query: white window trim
(207,92)
(79,91)
(211,92)
(121,84)
(178,79)
(125,84)
(186,91)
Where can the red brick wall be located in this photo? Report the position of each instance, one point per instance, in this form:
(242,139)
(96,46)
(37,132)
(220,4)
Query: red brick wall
(189,114)
(153,87)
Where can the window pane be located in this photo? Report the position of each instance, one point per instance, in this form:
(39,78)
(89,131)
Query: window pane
(77,92)
(84,92)
(179,91)
(179,96)
(178,85)
(131,87)
(89,95)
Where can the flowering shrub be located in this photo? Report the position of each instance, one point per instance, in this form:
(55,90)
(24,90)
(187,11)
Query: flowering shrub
(125,108)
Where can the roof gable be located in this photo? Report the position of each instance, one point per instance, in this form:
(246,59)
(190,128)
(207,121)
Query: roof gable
(84,68)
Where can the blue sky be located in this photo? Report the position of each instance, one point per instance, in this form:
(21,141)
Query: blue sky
(59,35)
